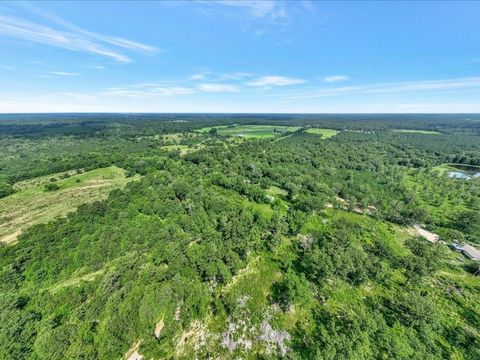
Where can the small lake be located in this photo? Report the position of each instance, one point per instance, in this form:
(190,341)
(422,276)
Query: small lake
(462,175)
(465,172)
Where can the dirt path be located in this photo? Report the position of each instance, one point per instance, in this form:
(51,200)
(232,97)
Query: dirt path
(425,234)
(133,353)
(11,237)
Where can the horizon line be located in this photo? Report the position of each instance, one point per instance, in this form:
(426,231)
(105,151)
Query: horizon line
(236,113)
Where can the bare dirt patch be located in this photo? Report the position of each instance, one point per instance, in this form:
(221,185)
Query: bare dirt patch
(158,328)
(132,353)
(193,338)
(7,239)
(417,230)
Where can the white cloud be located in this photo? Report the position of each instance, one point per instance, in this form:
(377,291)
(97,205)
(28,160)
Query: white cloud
(234,76)
(394,87)
(275,81)
(217,88)
(73,38)
(335,78)
(199,76)
(257,17)
(148,90)
(117,41)
(258,9)
(96,67)
(63,73)
(308,5)
(96,102)
(445,84)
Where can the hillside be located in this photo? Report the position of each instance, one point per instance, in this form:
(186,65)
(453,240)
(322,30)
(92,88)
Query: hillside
(32,203)
(249,248)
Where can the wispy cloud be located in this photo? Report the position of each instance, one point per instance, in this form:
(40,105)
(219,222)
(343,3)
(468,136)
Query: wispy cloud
(69,36)
(96,67)
(394,87)
(217,88)
(258,9)
(335,78)
(275,81)
(234,76)
(219,77)
(117,41)
(154,89)
(63,73)
(7,67)
(308,5)
(201,75)
(257,17)
(198,76)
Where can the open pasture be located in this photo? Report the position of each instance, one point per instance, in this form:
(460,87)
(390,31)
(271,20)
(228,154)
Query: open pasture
(325,133)
(414,131)
(251,131)
(31,204)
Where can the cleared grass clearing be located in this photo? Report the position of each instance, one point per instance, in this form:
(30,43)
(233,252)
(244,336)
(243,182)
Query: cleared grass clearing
(31,204)
(442,169)
(276,191)
(177,136)
(413,131)
(326,133)
(174,137)
(76,280)
(184,149)
(251,131)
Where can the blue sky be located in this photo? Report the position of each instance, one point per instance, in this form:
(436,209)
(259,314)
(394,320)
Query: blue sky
(240,56)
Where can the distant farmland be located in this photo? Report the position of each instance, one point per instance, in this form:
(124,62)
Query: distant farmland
(413,131)
(251,131)
(326,133)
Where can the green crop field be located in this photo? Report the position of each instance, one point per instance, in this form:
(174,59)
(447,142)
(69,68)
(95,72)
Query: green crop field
(251,131)
(413,131)
(31,204)
(326,133)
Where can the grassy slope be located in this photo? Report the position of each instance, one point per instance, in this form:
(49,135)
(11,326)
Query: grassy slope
(249,293)
(32,205)
(326,133)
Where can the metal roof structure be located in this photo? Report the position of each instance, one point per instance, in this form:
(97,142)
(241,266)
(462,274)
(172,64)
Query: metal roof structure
(470,252)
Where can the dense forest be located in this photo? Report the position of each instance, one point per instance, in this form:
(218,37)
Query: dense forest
(281,244)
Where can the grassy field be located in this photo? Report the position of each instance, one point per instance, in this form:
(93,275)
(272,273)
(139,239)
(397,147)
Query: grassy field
(251,131)
(31,204)
(177,136)
(413,131)
(326,133)
(441,169)
(184,149)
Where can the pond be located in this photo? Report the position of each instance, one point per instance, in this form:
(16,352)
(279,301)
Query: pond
(465,172)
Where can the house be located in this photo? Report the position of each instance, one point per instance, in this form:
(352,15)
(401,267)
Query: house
(467,250)
(470,252)
(456,246)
